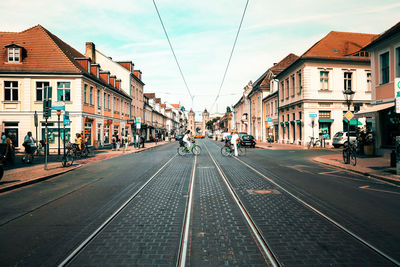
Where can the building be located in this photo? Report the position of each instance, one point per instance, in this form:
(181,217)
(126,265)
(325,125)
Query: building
(130,82)
(242,111)
(311,101)
(35,59)
(385,65)
(198,128)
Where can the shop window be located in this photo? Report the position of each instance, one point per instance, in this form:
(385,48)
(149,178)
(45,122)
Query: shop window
(88,132)
(52,133)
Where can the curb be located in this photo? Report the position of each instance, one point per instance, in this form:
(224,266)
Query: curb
(379,177)
(46,177)
(36,180)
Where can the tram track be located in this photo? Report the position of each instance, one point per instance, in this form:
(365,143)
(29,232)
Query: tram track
(313,209)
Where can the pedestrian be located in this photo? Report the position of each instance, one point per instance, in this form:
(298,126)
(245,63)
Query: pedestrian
(234,141)
(137,137)
(10,150)
(142,138)
(114,141)
(30,147)
(3,138)
(78,141)
(118,143)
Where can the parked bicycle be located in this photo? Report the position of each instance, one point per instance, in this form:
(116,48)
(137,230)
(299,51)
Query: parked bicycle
(314,141)
(68,158)
(183,150)
(228,149)
(349,153)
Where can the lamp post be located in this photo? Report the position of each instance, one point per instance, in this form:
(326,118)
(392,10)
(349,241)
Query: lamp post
(348,95)
(59,134)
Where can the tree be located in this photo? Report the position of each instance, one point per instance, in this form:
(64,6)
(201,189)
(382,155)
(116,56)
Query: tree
(228,109)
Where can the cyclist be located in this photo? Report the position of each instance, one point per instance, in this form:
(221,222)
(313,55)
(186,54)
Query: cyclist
(78,141)
(187,140)
(234,141)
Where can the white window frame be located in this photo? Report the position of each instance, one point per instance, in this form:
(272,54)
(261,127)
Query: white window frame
(12,54)
(346,79)
(64,89)
(324,80)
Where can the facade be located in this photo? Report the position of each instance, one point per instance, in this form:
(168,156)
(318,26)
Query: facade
(270,105)
(242,111)
(197,127)
(96,104)
(311,100)
(130,82)
(385,63)
(155,119)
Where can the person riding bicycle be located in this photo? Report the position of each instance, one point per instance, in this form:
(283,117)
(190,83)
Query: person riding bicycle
(235,141)
(187,140)
(78,141)
(30,147)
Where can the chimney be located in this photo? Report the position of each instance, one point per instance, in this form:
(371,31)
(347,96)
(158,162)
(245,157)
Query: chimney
(118,83)
(91,51)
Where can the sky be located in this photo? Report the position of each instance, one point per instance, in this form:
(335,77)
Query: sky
(202,34)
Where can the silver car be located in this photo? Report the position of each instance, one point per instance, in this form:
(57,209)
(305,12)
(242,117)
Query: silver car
(340,138)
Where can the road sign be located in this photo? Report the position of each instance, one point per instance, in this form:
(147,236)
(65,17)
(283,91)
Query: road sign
(313,115)
(66,122)
(349,115)
(269,120)
(131,121)
(58,108)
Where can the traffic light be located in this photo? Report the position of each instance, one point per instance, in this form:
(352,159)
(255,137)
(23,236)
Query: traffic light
(47,102)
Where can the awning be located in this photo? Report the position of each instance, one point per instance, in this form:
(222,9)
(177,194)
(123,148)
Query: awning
(298,121)
(354,122)
(325,120)
(371,111)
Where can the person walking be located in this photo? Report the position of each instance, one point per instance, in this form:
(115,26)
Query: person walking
(3,138)
(78,141)
(114,141)
(137,137)
(234,141)
(142,138)
(10,150)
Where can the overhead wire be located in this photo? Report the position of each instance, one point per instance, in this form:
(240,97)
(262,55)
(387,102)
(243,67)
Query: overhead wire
(230,57)
(173,52)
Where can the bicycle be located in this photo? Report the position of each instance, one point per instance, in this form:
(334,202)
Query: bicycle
(68,157)
(349,153)
(314,142)
(183,150)
(228,150)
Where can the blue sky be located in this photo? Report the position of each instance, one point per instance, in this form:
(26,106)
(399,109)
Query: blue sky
(202,34)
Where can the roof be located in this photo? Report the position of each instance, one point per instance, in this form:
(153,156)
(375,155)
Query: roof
(150,95)
(337,46)
(384,36)
(175,105)
(45,52)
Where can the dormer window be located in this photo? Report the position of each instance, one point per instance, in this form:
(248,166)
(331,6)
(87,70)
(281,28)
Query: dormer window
(14,54)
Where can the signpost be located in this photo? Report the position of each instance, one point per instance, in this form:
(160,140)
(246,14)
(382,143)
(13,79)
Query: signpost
(313,116)
(46,114)
(35,116)
(138,123)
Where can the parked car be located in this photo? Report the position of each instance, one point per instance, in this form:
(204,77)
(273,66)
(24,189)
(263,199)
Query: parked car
(248,140)
(340,138)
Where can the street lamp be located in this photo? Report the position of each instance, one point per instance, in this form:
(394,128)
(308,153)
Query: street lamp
(348,95)
(59,134)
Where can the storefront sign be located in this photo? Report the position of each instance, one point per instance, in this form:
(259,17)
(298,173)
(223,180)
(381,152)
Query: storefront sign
(313,115)
(397,95)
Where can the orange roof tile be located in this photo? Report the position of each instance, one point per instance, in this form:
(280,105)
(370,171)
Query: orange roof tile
(284,63)
(150,95)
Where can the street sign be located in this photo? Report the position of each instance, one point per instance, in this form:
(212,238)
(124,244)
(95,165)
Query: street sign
(58,108)
(66,122)
(313,115)
(349,115)
(35,116)
(269,120)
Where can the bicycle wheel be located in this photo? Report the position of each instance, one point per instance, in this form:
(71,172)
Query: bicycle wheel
(196,150)
(344,154)
(225,151)
(181,150)
(241,151)
(353,159)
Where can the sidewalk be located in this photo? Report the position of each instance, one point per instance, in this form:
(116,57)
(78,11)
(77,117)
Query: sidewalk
(377,167)
(276,146)
(18,177)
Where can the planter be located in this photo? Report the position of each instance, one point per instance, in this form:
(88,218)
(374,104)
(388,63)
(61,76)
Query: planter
(369,150)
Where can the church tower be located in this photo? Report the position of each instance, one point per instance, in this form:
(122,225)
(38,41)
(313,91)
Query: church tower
(191,122)
(205,118)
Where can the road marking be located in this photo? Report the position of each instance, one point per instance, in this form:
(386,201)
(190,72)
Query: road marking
(366,187)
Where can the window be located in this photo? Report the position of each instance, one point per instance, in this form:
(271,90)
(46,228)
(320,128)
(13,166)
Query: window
(369,82)
(91,95)
(293,116)
(98,98)
(114,103)
(324,79)
(10,91)
(108,104)
(324,114)
(299,81)
(63,91)
(13,54)
(398,62)
(293,85)
(282,90)
(85,94)
(105,97)
(300,114)
(348,81)
(287,88)
(384,62)
(40,89)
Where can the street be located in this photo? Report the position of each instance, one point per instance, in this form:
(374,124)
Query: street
(133,210)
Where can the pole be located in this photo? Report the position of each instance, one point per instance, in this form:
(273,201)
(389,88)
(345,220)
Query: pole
(348,136)
(59,134)
(36,126)
(64,140)
(46,146)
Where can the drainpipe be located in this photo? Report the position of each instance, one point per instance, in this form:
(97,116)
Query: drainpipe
(279,115)
(250,126)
